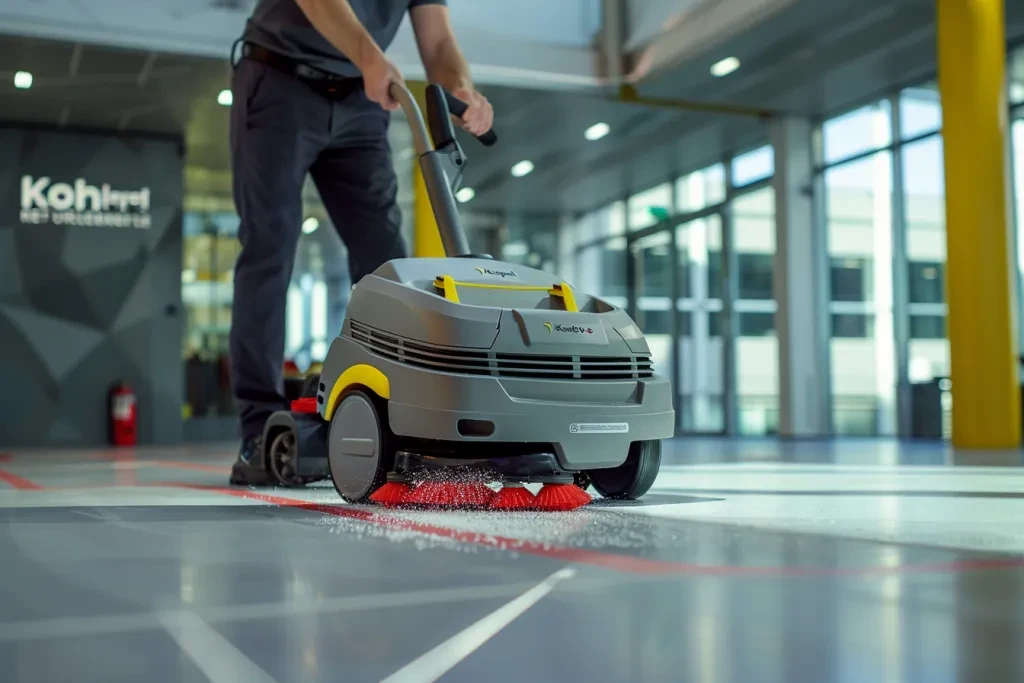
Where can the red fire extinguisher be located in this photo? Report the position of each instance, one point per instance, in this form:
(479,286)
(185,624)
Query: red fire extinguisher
(123,415)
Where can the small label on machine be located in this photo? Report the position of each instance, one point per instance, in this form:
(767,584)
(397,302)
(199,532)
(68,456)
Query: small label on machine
(598,428)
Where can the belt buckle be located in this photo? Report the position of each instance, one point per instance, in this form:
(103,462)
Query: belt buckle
(333,83)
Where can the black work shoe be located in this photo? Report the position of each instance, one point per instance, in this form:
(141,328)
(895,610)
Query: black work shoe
(248,470)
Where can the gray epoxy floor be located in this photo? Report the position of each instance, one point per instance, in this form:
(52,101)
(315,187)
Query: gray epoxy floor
(749,561)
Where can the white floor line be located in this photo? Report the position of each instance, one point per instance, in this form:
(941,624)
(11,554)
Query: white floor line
(436,662)
(214,654)
(85,626)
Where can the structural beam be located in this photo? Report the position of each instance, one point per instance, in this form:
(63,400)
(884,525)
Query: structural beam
(980,288)
(628,93)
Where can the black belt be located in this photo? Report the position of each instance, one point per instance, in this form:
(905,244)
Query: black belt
(322,81)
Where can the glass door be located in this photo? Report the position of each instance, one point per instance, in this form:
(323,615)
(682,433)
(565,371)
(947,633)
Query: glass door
(699,346)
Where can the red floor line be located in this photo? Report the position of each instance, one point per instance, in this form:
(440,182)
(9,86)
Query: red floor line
(116,485)
(616,561)
(20,483)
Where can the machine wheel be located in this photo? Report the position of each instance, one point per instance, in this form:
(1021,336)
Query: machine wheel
(360,446)
(281,459)
(633,478)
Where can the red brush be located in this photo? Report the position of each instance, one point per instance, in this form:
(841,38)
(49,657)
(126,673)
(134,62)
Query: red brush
(513,497)
(561,497)
(395,492)
(450,494)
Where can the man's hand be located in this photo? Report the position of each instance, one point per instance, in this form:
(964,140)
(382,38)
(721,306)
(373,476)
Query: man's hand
(446,65)
(378,75)
(479,117)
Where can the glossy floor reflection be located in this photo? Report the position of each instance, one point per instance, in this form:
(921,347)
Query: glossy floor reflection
(749,561)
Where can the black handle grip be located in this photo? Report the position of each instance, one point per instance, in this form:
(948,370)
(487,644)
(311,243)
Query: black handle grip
(458,108)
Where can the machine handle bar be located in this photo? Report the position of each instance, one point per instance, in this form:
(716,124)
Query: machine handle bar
(458,107)
(421,140)
(440,165)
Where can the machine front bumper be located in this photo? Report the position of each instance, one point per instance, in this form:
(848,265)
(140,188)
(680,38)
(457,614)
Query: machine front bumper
(583,437)
(589,424)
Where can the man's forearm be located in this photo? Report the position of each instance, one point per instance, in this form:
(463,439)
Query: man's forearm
(446,66)
(336,21)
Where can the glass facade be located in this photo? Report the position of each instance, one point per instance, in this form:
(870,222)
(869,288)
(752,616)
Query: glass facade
(755,341)
(660,254)
(315,304)
(880,171)
(210,250)
(925,225)
(699,382)
(860,213)
(885,199)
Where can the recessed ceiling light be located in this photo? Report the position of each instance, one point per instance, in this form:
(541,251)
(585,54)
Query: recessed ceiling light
(23,80)
(310,225)
(225,98)
(465,194)
(522,168)
(725,67)
(596,131)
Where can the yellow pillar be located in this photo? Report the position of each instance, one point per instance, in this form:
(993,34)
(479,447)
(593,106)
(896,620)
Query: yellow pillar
(426,237)
(979,265)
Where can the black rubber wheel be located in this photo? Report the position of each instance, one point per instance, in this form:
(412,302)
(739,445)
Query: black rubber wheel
(281,459)
(633,478)
(360,446)
(310,386)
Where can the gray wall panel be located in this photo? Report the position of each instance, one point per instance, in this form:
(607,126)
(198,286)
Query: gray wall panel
(90,284)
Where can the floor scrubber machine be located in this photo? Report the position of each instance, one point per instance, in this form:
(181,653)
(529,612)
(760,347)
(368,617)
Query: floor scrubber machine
(451,375)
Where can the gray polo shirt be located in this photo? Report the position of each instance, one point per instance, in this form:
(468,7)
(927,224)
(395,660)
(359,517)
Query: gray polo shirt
(281,26)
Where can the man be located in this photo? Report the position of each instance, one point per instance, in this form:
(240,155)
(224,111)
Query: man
(311,94)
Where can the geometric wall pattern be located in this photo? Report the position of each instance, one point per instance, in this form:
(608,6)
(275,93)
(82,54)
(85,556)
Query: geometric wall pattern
(84,305)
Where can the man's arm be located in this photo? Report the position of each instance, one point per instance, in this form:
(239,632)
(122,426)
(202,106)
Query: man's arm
(336,21)
(446,65)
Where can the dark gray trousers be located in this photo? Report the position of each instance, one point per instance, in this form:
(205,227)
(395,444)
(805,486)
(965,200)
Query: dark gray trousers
(281,130)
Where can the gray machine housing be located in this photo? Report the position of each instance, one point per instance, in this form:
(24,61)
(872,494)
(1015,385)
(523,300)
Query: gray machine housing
(506,363)
(467,362)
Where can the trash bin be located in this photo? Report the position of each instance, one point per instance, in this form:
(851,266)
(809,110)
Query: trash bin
(926,408)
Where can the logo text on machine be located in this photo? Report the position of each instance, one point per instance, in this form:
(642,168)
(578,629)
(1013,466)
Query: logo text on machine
(46,202)
(497,273)
(599,428)
(572,329)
